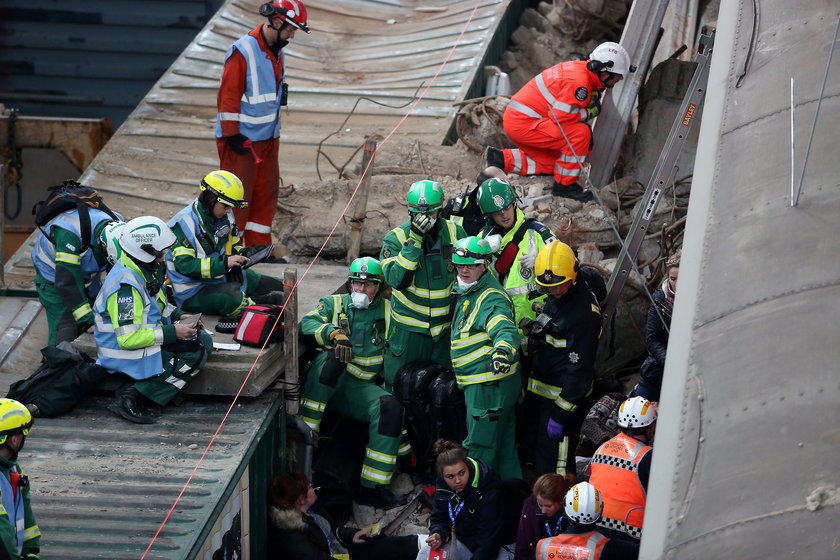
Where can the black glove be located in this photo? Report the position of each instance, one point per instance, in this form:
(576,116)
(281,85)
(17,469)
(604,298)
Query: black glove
(237,143)
(420,226)
(501,362)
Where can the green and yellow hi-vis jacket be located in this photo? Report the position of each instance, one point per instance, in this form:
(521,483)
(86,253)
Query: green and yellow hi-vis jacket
(481,325)
(367,331)
(421,277)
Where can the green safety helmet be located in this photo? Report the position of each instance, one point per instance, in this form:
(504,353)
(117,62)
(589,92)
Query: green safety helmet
(425,197)
(494,195)
(471,250)
(366,268)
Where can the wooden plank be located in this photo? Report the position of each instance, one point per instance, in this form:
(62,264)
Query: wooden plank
(17,329)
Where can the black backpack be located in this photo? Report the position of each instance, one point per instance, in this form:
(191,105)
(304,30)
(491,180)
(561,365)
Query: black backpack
(60,383)
(464,210)
(70,196)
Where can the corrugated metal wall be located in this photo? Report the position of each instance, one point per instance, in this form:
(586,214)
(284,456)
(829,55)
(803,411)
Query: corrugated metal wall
(92,59)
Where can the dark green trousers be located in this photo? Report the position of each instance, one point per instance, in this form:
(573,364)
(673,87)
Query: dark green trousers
(179,367)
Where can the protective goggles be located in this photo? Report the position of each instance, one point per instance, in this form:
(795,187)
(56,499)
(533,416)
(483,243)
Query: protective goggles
(270,10)
(226,200)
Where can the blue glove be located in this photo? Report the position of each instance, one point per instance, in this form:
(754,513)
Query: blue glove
(554,430)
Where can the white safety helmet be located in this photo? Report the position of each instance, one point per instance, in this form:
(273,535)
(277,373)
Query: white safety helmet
(610,57)
(146,238)
(636,412)
(584,504)
(110,238)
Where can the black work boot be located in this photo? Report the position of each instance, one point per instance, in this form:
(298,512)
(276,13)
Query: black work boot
(379,497)
(494,157)
(129,403)
(575,192)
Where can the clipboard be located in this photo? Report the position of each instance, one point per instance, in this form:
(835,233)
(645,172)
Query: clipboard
(259,256)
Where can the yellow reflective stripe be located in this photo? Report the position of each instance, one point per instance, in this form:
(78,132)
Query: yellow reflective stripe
(481,352)
(205,267)
(368,361)
(179,251)
(506,345)
(416,307)
(405,448)
(564,404)
(496,320)
(544,389)
(482,377)
(81,311)
(362,374)
(466,341)
(69,258)
(431,294)
(439,311)
(478,302)
(562,451)
(323,333)
(408,320)
(556,342)
(313,405)
(2,510)
(313,423)
(381,457)
(31,532)
(596,309)
(405,263)
(376,475)
(439,329)
(385,262)
(400,235)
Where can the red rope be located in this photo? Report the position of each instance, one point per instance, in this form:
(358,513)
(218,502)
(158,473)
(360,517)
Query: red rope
(340,220)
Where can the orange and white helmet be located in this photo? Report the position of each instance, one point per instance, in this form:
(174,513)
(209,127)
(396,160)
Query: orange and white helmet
(584,504)
(636,412)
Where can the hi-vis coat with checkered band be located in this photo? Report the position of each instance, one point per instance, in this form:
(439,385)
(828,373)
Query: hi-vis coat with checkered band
(367,331)
(481,325)
(423,304)
(564,356)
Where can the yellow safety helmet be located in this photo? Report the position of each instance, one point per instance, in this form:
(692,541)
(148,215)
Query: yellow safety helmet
(227,187)
(14,419)
(556,264)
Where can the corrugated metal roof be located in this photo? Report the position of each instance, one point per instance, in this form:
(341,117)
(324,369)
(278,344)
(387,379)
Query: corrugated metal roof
(102,486)
(153,162)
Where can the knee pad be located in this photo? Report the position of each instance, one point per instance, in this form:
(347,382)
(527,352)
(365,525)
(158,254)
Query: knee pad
(331,371)
(390,416)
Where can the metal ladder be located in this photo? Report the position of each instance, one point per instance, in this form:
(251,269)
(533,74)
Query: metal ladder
(661,175)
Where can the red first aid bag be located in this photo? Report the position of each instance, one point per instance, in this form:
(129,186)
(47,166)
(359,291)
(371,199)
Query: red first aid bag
(256,324)
(437,554)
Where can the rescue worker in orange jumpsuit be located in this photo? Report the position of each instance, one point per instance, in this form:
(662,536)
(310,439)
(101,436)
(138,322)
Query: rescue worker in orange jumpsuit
(554,110)
(250,97)
(621,469)
(583,540)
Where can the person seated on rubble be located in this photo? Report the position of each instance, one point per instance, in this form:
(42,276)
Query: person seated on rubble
(138,332)
(542,515)
(349,330)
(621,469)
(208,263)
(583,539)
(515,241)
(67,273)
(299,530)
(466,519)
(657,329)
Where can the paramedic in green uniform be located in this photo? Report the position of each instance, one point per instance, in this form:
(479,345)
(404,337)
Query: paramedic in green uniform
(349,330)
(416,261)
(484,357)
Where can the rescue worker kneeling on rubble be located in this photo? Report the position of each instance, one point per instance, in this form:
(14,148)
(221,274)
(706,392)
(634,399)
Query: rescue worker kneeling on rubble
(67,275)
(515,241)
(134,328)
(583,540)
(415,259)
(484,357)
(206,265)
(621,468)
(565,339)
(350,331)
(18,529)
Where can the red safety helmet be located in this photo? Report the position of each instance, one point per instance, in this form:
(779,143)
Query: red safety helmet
(289,11)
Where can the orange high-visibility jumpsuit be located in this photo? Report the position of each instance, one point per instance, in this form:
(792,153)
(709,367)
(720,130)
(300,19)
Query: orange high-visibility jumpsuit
(261,180)
(566,91)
